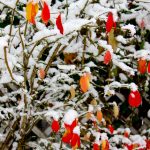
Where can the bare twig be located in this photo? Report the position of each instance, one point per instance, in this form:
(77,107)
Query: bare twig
(6,62)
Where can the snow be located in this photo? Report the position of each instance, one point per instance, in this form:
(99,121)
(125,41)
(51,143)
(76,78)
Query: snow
(121,39)
(54,114)
(70,116)
(91,108)
(133,86)
(123,77)
(129,27)
(104,136)
(66,67)
(76,130)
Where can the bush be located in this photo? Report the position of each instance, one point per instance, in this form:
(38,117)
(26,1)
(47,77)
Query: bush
(74,74)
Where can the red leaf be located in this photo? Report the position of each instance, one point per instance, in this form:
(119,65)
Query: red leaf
(67,136)
(96,146)
(59,24)
(45,15)
(148,67)
(134,99)
(142,66)
(55,126)
(107,57)
(130,147)
(111,129)
(110,22)
(148,144)
(72,126)
(75,141)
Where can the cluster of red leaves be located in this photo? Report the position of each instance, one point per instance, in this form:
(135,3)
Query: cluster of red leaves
(143,66)
(70,137)
(32,10)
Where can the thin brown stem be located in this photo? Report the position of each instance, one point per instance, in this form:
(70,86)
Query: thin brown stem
(6,62)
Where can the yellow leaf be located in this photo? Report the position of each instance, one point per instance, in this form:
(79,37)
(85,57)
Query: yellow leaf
(69,57)
(103,144)
(115,110)
(31,11)
(72,92)
(94,102)
(112,40)
(89,115)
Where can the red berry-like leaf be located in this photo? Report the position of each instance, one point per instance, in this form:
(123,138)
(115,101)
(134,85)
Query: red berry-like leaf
(134,99)
(110,22)
(55,126)
(96,146)
(107,57)
(59,24)
(45,15)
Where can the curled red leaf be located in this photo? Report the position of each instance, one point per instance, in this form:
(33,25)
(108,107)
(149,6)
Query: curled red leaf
(59,24)
(45,15)
(107,57)
(110,22)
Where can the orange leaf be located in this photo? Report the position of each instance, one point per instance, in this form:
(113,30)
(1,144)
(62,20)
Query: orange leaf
(45,15)
(42,73)
(142,66)
(99,115)
(31,11)
(69,57)
(85,82)
(104,145)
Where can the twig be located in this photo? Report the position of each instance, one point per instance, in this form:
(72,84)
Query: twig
(6,62)
(9,135)
(12,19)
(83,53)
(12,9)
(52,58)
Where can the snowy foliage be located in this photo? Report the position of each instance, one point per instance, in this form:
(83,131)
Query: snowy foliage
(44,72)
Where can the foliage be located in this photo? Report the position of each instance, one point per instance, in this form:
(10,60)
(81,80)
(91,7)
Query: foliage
(82,67)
